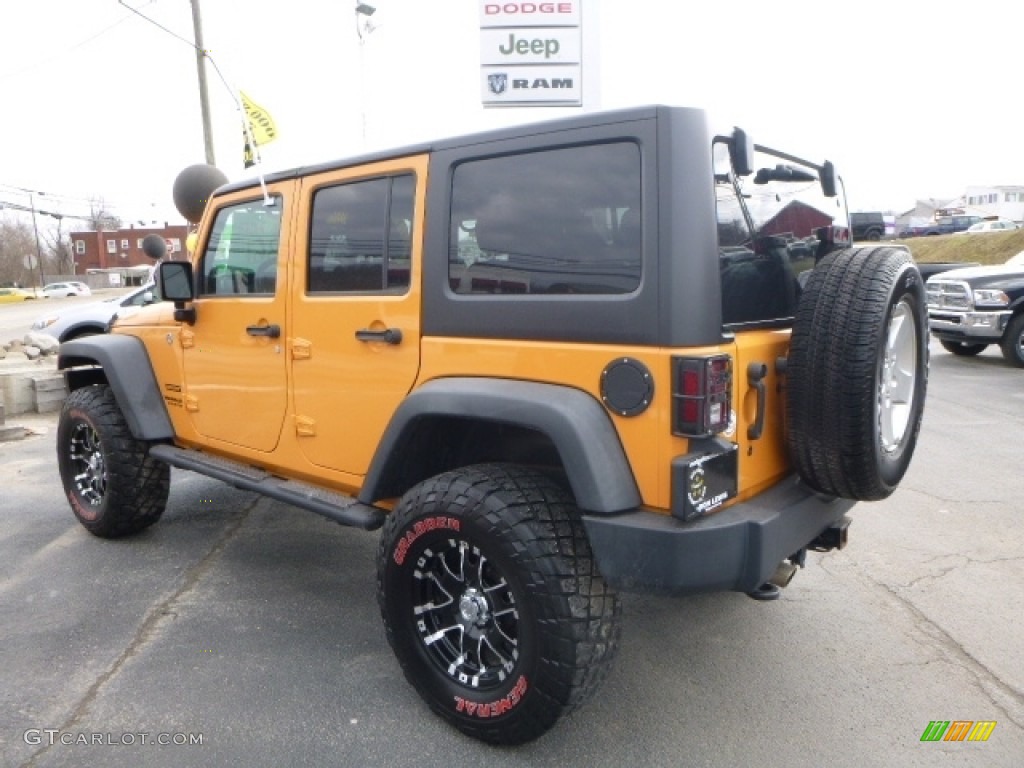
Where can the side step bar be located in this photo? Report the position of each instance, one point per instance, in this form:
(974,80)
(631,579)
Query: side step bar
(338,507)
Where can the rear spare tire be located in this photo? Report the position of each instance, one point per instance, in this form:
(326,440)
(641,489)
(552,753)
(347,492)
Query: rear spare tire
(857,373)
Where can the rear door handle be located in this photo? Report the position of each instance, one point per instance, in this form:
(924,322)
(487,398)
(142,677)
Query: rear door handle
(755,377)
(270,331)
(388,335)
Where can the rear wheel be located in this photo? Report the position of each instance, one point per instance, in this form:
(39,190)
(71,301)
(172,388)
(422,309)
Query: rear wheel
(1013,342)
(492,602)
(962,348)
(114,487)
(857,373)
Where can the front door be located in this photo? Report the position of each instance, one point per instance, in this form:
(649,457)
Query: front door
(234,358)
(356,323)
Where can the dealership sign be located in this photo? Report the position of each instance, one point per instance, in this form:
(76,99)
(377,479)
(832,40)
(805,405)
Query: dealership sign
(531,53)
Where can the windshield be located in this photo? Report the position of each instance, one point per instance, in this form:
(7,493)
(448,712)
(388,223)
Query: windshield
(766,233)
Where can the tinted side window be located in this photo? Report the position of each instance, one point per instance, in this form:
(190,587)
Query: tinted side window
(562,221)
(361,236)
(241,255)
(766,239)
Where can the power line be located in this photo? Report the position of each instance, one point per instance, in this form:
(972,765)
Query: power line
(97,200)
(42,62)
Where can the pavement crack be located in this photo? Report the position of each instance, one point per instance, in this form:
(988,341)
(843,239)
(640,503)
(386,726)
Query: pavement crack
(929,494)
(158,615)
(1003,696)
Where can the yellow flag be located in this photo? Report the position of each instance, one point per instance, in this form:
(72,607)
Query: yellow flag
(261,123)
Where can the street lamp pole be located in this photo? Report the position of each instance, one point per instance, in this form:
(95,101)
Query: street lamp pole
(363,28)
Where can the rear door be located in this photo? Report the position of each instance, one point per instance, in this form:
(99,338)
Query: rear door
(355,333)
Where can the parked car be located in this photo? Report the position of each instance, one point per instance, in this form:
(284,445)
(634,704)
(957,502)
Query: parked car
(999,225)
(867,225)
(89,319)
(71,288)
(10,295)
(944,225)
(969,309)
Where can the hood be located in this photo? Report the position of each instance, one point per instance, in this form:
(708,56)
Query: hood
(993,272)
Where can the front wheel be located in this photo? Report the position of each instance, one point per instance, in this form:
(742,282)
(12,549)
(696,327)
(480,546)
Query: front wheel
(1013,342)
(492,602)
(963,348)
(114,487)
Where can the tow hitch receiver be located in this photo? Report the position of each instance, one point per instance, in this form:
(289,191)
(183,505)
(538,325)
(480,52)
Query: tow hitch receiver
(833,537)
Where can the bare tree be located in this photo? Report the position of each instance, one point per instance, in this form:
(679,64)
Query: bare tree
(58,249)
(17,253)
(100,218)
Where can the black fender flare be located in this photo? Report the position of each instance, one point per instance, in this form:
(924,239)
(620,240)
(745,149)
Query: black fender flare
(128,371)
(91,326)
(575,422)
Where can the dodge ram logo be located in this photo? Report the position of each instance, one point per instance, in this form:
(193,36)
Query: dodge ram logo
(497,83)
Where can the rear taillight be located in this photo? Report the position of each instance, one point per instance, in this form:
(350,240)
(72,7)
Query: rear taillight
(701,395)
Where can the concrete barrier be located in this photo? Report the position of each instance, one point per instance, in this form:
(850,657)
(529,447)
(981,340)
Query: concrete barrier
(30,387)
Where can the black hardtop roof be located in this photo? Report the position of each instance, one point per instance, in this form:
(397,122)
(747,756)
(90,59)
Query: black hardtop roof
(575,122)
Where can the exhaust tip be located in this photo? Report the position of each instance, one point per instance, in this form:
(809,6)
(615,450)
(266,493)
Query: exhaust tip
(783,574)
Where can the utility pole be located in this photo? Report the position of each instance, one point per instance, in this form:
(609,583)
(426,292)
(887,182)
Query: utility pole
(35,228)
(204,99)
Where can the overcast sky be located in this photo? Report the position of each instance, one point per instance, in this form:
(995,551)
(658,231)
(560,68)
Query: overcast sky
(910,99)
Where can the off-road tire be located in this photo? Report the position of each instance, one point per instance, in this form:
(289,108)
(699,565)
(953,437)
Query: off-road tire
(1012,344)
(857,373)
(963,348)
(114,488)
(508,548)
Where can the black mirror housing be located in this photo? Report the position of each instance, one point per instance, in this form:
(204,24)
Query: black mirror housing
(175,281)
(829,179)
(741,152)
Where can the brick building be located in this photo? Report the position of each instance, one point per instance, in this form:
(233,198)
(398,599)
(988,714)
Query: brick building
(122,248)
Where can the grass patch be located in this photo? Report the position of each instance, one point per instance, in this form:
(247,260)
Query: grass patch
(987,248)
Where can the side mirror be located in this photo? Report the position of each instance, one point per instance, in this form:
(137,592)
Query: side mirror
(174,279)
(741,152)
(829,179)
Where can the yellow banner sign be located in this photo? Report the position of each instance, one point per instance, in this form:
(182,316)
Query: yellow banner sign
(261,123)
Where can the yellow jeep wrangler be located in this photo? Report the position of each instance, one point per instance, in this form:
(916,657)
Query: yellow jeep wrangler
(620,351)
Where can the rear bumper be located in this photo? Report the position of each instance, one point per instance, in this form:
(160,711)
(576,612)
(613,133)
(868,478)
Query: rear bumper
(736,549)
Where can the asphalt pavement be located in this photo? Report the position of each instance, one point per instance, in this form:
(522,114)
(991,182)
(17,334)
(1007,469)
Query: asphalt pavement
(241,631)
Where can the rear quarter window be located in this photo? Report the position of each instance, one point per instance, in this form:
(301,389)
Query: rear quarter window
(558,221)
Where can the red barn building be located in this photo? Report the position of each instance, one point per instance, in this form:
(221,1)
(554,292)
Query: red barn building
(797,219)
